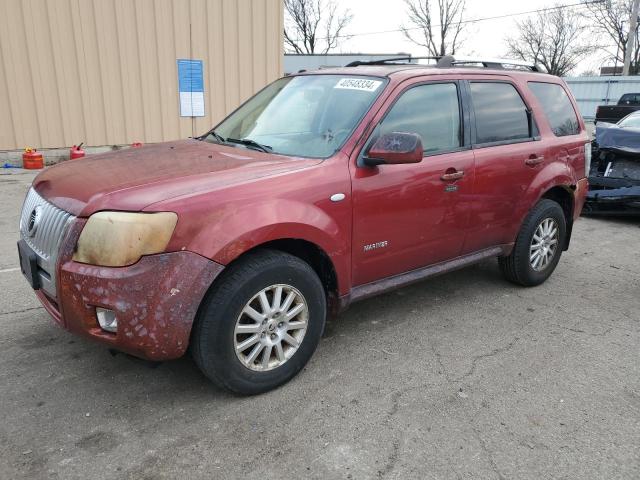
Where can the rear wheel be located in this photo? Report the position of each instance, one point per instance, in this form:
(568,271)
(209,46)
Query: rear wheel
(260,323)
(538,247)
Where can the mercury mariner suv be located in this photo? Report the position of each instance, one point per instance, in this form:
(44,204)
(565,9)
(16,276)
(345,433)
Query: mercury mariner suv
(325,188)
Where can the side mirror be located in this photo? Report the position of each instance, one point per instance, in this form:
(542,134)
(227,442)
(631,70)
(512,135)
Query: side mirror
(395,148)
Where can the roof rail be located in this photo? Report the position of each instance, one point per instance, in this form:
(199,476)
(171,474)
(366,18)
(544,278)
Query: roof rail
(389,61)
(449,61)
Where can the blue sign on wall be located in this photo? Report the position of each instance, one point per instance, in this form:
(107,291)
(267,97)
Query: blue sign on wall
(191,88)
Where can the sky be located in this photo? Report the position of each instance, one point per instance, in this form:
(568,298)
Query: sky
(484,38)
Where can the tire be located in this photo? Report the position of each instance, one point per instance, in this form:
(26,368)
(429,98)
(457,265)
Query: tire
(219,332)
(518,267)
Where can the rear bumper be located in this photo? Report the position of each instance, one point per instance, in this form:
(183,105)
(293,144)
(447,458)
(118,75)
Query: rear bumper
(606,120)
(580,196)
(156,301)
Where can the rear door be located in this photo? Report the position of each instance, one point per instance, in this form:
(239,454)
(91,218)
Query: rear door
(408,216)
(508,155)
(565,134)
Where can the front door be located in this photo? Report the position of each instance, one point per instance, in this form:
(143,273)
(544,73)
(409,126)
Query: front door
(409,216)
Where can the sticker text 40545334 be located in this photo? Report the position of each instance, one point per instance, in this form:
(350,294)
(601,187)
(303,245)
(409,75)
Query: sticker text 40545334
(365,84)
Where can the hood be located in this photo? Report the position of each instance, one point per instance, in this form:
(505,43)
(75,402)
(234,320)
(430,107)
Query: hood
(612,136)
(135,178)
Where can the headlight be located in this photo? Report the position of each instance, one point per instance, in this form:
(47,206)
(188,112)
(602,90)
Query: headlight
(116,239)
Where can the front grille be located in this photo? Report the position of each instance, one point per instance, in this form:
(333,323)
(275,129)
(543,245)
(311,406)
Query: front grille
(43,226)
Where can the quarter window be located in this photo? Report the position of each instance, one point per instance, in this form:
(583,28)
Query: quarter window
(557,107)
(432,111)
(500,113)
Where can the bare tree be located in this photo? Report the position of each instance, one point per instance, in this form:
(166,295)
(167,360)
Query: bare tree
(610,23)
(553,38)
(440,34)
(314,26)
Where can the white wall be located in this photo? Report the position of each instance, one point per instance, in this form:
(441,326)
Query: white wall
(593,91)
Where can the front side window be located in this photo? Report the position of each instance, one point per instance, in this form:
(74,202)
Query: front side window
(307,116)
(557,108)
(501,115)
(432,111)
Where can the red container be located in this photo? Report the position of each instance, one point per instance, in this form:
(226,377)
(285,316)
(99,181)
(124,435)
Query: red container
(32,159)
(76,152)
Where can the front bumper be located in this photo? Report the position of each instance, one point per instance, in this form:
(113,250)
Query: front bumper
(615,196)
(156,299)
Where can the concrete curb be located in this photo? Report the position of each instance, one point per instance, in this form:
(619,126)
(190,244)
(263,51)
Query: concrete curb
(17,171)
(53,155)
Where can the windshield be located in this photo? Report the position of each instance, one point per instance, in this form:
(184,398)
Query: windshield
(306,116)
(630,121)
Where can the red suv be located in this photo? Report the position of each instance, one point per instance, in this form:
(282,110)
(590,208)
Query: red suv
(325,188)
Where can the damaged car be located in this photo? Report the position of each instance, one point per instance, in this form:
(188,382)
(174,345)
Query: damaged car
(324,189)
(614,179)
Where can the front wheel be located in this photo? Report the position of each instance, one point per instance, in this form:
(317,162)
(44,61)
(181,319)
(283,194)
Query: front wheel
(538,247)
(260,323)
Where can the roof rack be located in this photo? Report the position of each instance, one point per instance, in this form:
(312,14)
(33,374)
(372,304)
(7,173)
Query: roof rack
(390,61)
(449,61)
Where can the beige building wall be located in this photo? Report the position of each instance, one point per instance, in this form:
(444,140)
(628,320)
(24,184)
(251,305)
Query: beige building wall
(104,71)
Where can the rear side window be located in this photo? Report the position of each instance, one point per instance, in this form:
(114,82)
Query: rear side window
(630,99)
(432,111)
(557,107)
(501,115)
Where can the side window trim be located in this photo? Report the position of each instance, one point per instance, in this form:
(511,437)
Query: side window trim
(534,131)
(465,126)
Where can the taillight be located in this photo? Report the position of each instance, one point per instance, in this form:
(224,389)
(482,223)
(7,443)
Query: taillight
(587,159)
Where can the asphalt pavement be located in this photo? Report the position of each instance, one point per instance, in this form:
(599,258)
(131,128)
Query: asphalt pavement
(460,377)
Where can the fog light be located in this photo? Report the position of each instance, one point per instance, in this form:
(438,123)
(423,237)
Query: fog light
(107,319)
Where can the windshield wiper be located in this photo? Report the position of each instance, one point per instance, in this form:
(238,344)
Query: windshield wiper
(215,135)
(241,141)
(251,144)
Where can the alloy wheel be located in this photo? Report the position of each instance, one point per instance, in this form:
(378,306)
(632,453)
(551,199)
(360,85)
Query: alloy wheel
(544,244)
(270,328)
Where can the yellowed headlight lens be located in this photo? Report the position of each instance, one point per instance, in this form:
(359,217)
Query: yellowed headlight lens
(116,239)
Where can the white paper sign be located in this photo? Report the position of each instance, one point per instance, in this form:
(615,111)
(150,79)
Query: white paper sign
(192,104)
(364,84)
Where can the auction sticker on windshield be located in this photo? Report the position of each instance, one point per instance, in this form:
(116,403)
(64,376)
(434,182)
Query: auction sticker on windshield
(359,84)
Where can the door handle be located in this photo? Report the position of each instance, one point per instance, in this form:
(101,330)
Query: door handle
(534,160)
(451,175)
